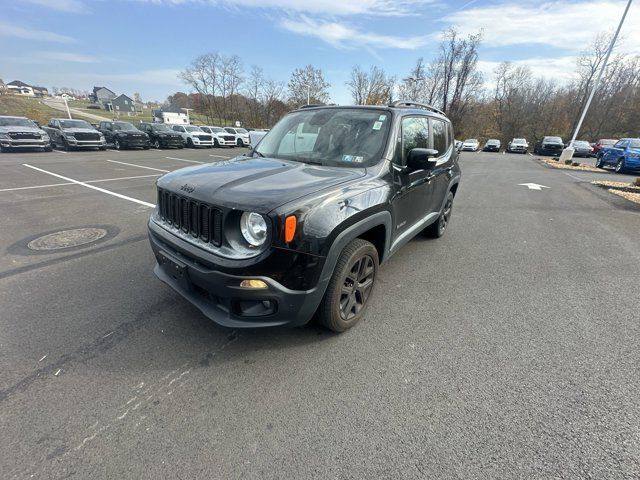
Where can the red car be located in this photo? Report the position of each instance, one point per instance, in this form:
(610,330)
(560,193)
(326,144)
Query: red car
(603,142)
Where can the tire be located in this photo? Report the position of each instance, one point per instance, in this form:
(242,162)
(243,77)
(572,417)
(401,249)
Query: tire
(216,143)
(439,227)
(65,146)
(116,144)
(180,147)
(156,144)
(146,147)
(344,303)
(599,162)
(47,149)
(5,149)
(102,148)
(190,143)
(620,166)
(239,143)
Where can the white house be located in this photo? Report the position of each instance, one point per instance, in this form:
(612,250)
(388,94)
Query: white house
(173,118)
(20,88)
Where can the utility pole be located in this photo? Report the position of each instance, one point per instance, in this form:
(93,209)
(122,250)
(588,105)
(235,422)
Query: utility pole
(567,153)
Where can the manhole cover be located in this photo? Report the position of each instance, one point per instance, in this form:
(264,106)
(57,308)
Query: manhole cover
(67,239)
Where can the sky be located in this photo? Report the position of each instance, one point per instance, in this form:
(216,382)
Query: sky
(141,45)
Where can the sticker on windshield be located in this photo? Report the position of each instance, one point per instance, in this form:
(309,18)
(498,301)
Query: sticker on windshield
(352,158)
(382,118)
(377,125)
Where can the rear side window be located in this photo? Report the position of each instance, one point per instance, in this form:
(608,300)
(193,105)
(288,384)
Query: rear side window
(634,144)
(440,141)
(620,144)
(415,134)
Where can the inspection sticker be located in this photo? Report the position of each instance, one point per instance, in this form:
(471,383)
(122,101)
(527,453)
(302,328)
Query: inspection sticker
(377,125)
(352,158)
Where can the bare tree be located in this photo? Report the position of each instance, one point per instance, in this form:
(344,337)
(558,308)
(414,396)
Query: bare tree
(308,85)
(370,88)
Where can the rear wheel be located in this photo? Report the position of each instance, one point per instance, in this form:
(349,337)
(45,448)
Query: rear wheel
(116,144)
(156,143)
(350,287)
(190,143)
(437,228)
(599,162)
(620,166)
(239,143)
(216,143)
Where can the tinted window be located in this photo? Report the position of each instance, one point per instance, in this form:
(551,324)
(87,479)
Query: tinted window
(634,144)
(440,142)
(620,144)
(415,134)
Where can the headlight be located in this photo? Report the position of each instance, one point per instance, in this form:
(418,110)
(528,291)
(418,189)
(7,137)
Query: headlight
(254,228)
(45,137)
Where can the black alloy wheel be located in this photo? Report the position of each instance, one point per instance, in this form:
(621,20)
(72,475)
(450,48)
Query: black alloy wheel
(620,166)
(350,287)
(156,144)
(439,227)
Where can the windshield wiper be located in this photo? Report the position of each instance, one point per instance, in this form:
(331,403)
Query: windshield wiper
(255,152)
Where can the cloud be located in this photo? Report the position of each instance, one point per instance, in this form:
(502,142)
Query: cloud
(15,31)
(68,57)
(71,6)
(160,76)
(562,69)
(341,35)
(564,25)
(323,7)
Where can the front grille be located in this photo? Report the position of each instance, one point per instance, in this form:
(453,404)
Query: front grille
(24,136)
(197,219)
(206,138)
(86,136)
(229,138)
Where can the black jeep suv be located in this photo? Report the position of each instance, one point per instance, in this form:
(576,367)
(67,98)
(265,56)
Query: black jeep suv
(300,224)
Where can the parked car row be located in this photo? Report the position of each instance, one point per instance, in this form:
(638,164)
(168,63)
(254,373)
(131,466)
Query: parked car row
(549,145)
(65,133)
(623,155)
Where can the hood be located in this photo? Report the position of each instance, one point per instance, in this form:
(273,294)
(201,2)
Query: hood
(256,184)
(80,130)
(16,128)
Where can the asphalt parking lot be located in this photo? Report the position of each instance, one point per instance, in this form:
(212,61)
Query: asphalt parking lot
(507,349)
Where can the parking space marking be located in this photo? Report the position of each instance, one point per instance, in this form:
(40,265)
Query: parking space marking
(219,156)
(59,151)
(139,166)
(86,181)
(92,187)
(110,150)
(183,160)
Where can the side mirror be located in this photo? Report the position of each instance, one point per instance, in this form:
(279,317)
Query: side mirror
(422,158)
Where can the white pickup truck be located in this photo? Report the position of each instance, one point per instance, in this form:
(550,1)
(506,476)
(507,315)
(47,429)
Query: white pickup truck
(20,133)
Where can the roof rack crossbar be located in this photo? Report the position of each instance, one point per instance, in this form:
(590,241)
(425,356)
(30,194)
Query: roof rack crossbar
(403,103)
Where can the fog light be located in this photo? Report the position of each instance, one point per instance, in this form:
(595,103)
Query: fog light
(253,284)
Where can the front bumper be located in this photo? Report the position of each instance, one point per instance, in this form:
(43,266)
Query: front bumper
(550,150)
(72,142)
(133,142)
(31,143)
(469,149)
(201,143)
(171,142)
(218,294)
(491,149)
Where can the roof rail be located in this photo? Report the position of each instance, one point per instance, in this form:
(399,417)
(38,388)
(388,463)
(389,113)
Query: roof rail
(403,103)
(312,105)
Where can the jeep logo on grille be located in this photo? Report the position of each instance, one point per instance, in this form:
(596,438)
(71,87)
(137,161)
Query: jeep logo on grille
(187,188)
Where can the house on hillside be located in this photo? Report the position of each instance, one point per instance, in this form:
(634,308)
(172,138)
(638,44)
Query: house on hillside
(102,95)
(174,118)
(20,88)
(122,104)
(40,91)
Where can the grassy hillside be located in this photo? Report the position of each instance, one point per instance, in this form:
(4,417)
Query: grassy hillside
(26,107)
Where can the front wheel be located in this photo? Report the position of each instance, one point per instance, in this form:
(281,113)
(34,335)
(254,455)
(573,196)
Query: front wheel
(47,149)
(599,162)
(156,144)
(190,143)
(117,145)
(620,166)
(437,228)
(216,143)
(350,287)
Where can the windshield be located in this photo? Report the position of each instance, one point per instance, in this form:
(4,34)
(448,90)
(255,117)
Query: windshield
(493,142)
(16,122)
(581,143)
(230,130)
(607,142)
(205,129)
(74,124)
(331,136)
(193,129)
(124,126)
(161,128)
(241,130)
(470,140)
(553,139)
(217,129)
(519,141)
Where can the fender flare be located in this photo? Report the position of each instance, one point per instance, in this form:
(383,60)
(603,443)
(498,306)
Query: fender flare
(352,232)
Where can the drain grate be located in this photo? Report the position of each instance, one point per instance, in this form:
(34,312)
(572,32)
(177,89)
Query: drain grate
(67,239)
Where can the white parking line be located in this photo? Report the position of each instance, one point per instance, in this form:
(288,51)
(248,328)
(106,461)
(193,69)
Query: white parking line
(110,150)
(84,184)
(183,160)
(139,166)
(529,153)
(59,151)
(220,156)
(86,181)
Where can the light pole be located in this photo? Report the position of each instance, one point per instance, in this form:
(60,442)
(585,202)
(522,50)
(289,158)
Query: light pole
(412,82)
(567,153)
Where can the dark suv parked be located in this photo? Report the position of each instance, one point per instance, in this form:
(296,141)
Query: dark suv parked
(123,135)
(549,146)
(300,224)
(161,135)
